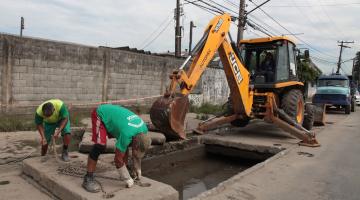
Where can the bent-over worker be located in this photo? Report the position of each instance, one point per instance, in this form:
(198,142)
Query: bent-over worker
(50,115)
(114,121)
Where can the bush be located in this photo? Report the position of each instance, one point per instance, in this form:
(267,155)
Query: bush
(16,123)
(27,122)
(207,108)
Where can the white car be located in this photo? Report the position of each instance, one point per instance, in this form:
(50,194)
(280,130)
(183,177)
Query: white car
(357,98)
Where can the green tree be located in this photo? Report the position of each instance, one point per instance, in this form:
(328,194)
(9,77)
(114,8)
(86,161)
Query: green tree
(305,72)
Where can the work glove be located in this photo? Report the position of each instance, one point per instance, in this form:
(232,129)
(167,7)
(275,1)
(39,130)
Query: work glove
(125,176)
(43,141)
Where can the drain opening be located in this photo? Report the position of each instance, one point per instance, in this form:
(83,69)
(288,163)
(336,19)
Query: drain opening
(198,169)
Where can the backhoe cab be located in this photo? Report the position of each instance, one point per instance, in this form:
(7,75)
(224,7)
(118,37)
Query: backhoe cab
(269,60)
(261,76)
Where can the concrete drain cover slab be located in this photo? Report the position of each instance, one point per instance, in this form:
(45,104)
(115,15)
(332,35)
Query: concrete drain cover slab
(63,186)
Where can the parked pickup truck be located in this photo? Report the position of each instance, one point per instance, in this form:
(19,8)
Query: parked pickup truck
(334,90)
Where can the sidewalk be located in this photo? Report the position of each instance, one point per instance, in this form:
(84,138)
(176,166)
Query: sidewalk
(331,171)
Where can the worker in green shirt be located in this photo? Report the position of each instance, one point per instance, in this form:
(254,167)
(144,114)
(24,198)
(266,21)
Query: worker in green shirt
(50,115)
(112,121)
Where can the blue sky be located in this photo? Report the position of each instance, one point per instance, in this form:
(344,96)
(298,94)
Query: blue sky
(150,25)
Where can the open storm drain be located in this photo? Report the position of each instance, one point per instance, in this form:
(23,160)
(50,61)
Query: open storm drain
(194,170)
(4,182)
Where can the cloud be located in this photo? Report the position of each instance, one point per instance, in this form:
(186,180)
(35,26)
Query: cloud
(130,23)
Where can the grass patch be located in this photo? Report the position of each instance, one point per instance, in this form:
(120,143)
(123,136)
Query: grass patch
(17,123)
(13,123)
(207,108)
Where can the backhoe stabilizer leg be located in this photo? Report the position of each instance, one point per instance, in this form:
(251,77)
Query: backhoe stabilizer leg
(214,123)
(307,138)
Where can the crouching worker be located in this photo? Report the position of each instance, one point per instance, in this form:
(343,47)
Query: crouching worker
(114,121)
(50,115)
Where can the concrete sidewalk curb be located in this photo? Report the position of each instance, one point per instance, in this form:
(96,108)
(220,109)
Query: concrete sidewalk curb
(67,187)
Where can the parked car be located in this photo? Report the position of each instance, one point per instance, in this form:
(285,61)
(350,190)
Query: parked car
(357,97)
(334,90)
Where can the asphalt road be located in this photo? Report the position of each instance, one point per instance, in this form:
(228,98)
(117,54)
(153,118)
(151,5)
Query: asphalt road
(331,171)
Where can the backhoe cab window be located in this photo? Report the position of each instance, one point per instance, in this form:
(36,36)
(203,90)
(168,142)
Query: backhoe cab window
(292,60)
(261,62)
(282,65)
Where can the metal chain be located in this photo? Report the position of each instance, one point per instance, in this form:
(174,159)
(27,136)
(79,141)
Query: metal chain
(80,173)
(65,171)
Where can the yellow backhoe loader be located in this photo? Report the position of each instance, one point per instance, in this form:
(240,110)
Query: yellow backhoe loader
(261,77)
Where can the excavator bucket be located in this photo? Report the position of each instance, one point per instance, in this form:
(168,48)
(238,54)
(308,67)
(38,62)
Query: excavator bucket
(168,115)
(319,114)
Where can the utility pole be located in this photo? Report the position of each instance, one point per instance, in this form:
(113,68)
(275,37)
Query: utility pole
(22,26)
(177,30)
(242,18)
(341,48)
(191,33)
(241,23)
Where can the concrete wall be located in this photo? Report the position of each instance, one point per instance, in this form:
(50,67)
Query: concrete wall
(34,70)
(1,68)
(214,88)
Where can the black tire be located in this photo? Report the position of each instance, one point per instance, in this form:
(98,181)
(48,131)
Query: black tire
(240,122)
(353,105)
(290,103)
(347,109)
(309,117)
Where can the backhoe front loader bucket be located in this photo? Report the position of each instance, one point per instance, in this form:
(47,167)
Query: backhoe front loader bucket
(168,115)
(319,114)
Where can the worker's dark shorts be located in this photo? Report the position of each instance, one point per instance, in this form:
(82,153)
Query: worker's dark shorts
(99,132)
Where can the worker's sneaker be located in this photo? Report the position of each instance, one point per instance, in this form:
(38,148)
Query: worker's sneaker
(90,185)
(129,183)
(65,156)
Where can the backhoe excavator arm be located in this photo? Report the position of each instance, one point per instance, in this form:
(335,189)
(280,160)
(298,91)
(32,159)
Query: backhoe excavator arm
(215,39)
(168,113)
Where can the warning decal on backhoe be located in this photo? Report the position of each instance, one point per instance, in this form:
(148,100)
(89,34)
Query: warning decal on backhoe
(235,67)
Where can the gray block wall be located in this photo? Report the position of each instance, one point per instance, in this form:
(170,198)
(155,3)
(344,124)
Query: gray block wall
(33,70)
(1,67)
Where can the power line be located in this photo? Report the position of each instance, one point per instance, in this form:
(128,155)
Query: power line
(273,19)
(333,22)
(231,3)
(248,30)
(257,26)
(212,6)
(210,10)
(153,33)
(167,25)
(254,17)
(266,24)
(336,4)
(322,60)
(223,7)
